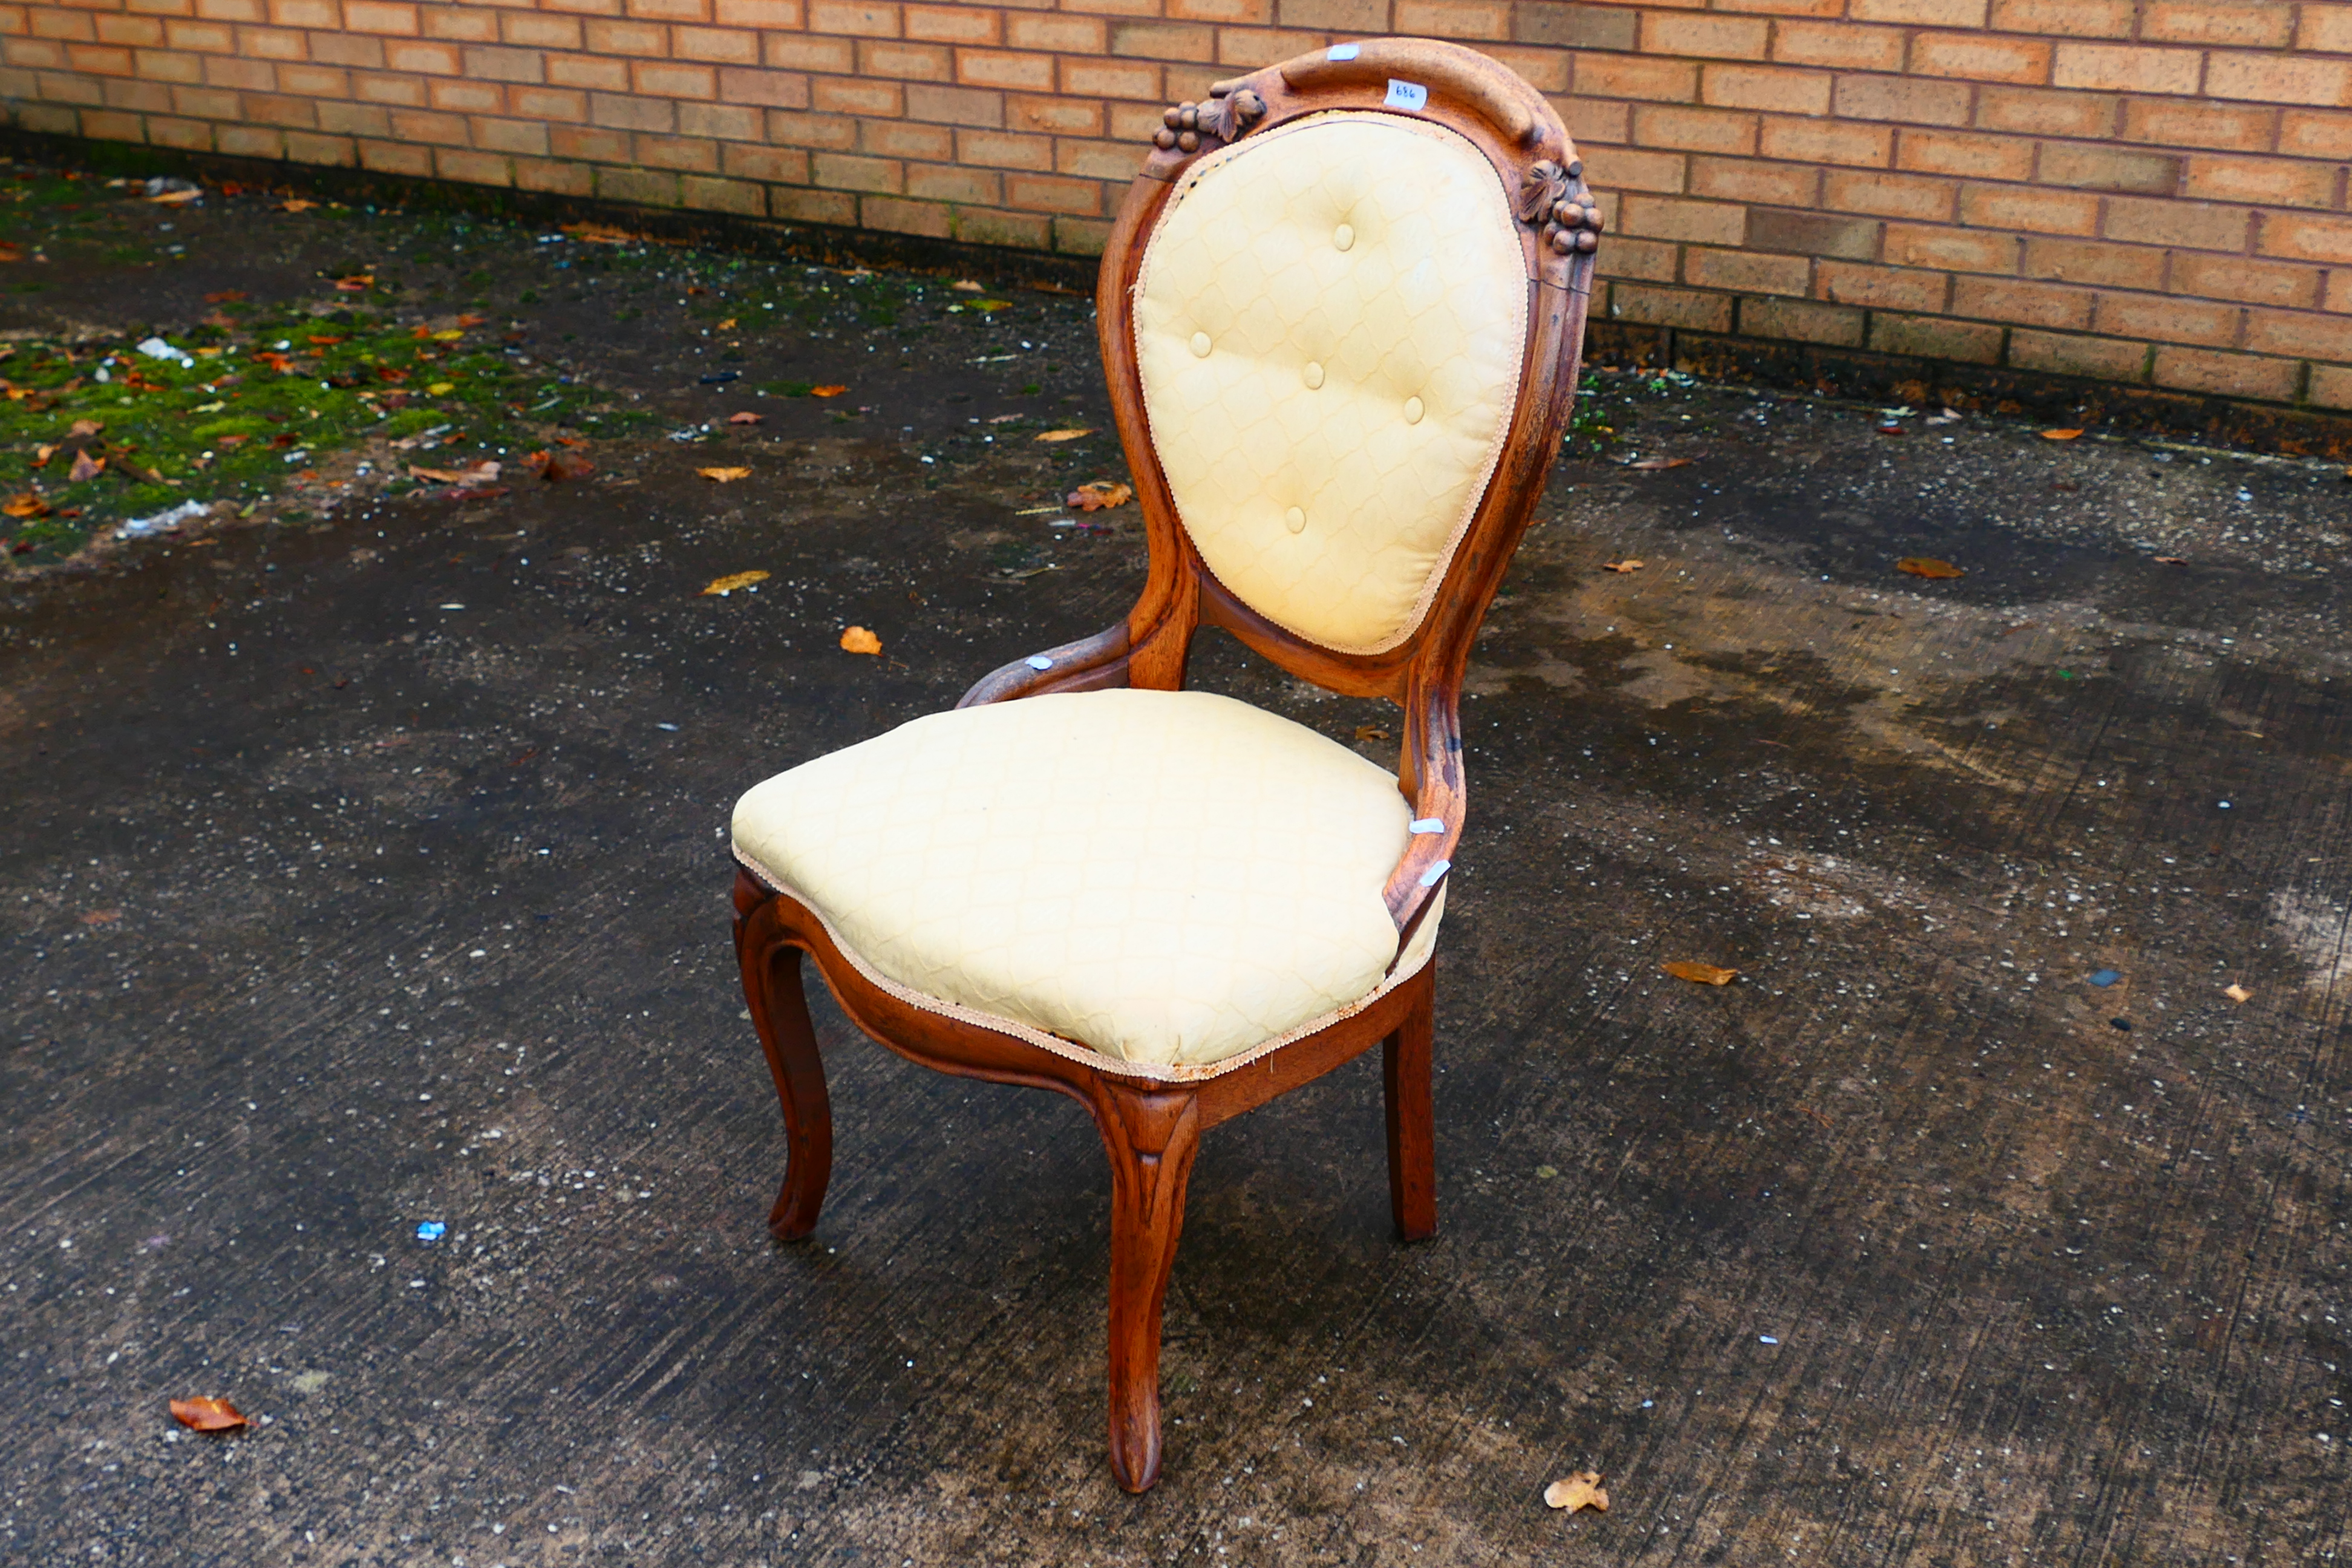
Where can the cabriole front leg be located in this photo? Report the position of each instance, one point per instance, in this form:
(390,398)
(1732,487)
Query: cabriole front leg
(1412,1122)
(1150,1138)
(779,1007)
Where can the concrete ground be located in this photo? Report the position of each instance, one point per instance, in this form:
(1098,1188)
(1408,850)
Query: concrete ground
(364,867)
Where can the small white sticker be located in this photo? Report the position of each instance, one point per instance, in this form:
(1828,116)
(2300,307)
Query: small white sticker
(1429,824)
(1038,661)
(1407,95)
(1430,878)
(1343,51)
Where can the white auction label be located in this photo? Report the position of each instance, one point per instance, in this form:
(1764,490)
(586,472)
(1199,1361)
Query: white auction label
(1407,95)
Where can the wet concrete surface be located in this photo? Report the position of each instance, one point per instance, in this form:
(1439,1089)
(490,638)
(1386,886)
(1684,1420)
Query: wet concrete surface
(367,869)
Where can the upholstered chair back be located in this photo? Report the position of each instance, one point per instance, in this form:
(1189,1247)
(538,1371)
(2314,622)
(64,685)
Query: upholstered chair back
(1329,324)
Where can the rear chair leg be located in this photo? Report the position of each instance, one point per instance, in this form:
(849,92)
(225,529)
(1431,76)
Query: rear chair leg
(1151,1139)
(778,1006)
(1413,1128)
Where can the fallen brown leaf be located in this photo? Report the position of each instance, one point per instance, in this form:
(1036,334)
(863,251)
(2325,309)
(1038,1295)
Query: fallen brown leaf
(1630,563)
(857,639)
(1062,435)
(2060,435)
(1660,463)
(84,466)
(225,297)
(295,204)
(2172,561)
(966,286)
(324,341)
(468,320)
(2237,993)
(83,429)
(176,198)
(827,391)
(357,283)
(1701,974)
(553,467)
(600,234)
(722,586)
(1580,1490)
(207,1415)
(746,417)
(1927,566)
(479,474)
(1371,732)
(26,505)
(108,917)
(726,326)
(724,476)
(42,454)
(1098,495)
(8,252)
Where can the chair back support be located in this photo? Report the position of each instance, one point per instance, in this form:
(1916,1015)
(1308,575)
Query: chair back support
(1329,324)
(1340,311)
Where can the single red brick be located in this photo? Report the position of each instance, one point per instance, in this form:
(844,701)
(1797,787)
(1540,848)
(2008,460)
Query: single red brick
(1752,180)
(907,138)
(2041,212)
(2102,359)
(1828,142)
(2198,226)
(1881,287)
(1981,58)
(1024,231)
(1932,337)
(1952,249)
(2103,168)
(857,18)
(2279,78)
(1112,78)
(842,172)
(2066,18)
(722,121)
(798,205)
(1689,309)
(1004,150)
(1240,13)
(2116,68)
(946,182)
(1746,272)
(793,51)
(1051,116)
(1966,154)
(766,14)
(1908,99)
(1777,88)
(852,95)
(2271,182)
(2168,320)
(2047,114)
(1615,76)
(420,126)
(1920,13)
(2315,133)
(2228,374)
(1919,197)
(586,145)
(458,96)
(772,89)
(391,17)
(1625,168)
(1053,193)
(2172,122)
(781,165)
(1056,32)
(715,46)
(393,158)
(955,24)
(688,154)
(2093,262)
(1453,18)
(2301,334)
(1802,321)
(1705,36)
(2022,304)
(329,151)
(1164,41)
(1694,130)
(527,137)
(1840,45)
(893,215)
(986,67)
(587,71)
(627,111)
(2282,283)
(1666,217)
(1097,160)
(2260,26)
(2299,237)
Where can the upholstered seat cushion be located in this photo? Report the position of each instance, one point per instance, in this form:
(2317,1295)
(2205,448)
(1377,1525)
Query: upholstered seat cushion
(1170,878)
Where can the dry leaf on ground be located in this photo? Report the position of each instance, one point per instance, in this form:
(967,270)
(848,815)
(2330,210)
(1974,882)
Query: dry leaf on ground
(1098,494)
(1660,463)
(553,466)
(2236,992)
(83,429)
(9,252)
(1927,566)
(207,1415)
(479,474)
(1580,1490)
(827,391)
(990,307)
(357,283)
(1371,732)
(1064,435)
(86,466)
(1630,563)
(295,204)
(1701,974)
(746,417)
(722,586)
(966,286)
(2172,561)
(25,505)
(468,319)
(225,297)
(599,233)
(2060,435)
(42,454)
(857,639)
(176,198)
(724,476)
(108,917)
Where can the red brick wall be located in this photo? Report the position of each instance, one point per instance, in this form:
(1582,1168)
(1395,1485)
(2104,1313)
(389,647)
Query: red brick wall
(2142,191)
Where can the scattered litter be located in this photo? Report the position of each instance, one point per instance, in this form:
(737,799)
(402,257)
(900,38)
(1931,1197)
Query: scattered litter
(165,190)
(2060,435)
(1372,733)
(721,377)
(1701,974)
(28,505)
(1927,566)
(1578,1491)
(84,466)
(724,476)
(1630,563)
(157,348)
(360,283)
(1038,661)
(2237,993)
(2105,977)
(432,1230)
(2172,561)
(1099,495)
(171,517)
(1765,1340)
(1064,435)
(108,917)
(2123,1024)
(2222,803)
(826,391)
(207,1415)
(1654,464)
(482,473)
(746,417)
(1890,426)
(690,433)
(553,466)
(295,204)
(83,429)
(1546,1173)
(722,586)
(966,286)
(421,439)
(857,639)
(601,233)
(671,728)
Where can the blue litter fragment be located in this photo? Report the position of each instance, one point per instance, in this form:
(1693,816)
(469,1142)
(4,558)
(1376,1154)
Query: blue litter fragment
(431,1230)
(2106,976)
(1765,1340)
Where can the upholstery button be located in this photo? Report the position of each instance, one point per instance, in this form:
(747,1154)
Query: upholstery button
(1200,345)
(1413,411)
(1314,374)
(1343,237)
(1295,521)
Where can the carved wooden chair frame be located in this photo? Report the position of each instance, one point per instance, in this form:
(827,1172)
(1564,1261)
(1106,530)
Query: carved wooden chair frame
(1150,1127)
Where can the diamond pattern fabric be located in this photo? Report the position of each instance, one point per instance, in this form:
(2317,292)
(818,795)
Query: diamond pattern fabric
(1171,878)
(1329,326)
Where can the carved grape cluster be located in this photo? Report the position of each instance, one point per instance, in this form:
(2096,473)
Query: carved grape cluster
(1556,198)
(1230,110)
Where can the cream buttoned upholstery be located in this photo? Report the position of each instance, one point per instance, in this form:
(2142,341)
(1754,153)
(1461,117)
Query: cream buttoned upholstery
(1172,879)
(1329,326)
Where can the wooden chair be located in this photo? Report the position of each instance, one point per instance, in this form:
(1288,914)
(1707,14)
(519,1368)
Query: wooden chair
(1340,314)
